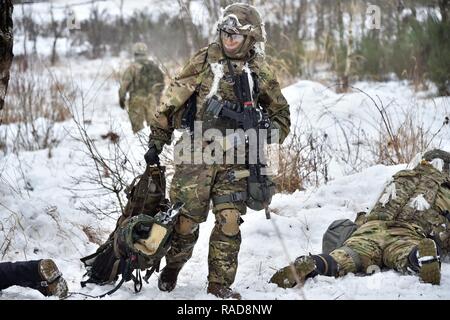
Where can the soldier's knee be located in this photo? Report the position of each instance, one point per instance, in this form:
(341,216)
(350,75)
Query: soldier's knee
(185,226)
(229,221)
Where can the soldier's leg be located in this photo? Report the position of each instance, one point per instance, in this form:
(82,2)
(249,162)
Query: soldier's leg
(190,185)
(150,108)
(185,235)
(225,240)
(137,113)
(410,251)
(42,275)
(363,249)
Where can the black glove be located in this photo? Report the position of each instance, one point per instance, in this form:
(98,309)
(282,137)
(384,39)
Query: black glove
(122,103)
(152,155)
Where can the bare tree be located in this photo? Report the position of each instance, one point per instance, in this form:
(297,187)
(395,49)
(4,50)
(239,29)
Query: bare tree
(189,28)
(56,28)
(6,46)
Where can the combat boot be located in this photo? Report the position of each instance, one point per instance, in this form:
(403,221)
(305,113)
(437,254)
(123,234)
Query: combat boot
(290,276)
(222,291)
(53,284)
(168,279)
(429,261)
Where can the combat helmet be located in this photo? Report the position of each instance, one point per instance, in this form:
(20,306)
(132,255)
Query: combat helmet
(244,19)
(146,239)
(241,18)
(140,49)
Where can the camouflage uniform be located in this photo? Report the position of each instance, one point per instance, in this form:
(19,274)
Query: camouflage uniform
(197,184)
(394,229)
(144,81)
(412,210)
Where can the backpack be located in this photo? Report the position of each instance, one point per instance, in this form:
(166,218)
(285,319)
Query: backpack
(142,235)
(337,233)
(148,75)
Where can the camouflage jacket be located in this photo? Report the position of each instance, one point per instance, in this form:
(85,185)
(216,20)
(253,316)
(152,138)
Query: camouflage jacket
(207,73)
(421,197)
(140,79)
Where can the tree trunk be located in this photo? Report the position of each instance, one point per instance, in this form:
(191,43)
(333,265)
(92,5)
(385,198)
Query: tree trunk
(348,60)
(188,27)
(6,46)
(444,8)
(319,23)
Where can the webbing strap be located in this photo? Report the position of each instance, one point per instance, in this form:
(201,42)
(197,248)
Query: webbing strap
(355,257)
(232,197)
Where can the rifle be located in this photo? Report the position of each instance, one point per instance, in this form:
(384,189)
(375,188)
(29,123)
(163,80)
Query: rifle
(247,116)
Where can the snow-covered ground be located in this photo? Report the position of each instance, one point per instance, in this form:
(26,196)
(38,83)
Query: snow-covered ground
(37,194)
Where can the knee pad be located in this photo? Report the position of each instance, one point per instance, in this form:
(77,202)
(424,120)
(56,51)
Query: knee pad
(229,221)
(185,226)
(325,265)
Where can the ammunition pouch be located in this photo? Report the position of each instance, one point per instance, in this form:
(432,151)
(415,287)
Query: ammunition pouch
(259,193)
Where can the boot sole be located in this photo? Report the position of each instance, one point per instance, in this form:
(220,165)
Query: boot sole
(49,272)
(430,272)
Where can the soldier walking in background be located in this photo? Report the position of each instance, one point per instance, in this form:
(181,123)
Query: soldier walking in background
(143,80)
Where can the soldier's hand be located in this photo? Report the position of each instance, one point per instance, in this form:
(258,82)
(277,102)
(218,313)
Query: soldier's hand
(152,155)
(122,103)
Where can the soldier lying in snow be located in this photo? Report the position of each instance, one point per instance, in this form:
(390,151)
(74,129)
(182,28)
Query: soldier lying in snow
(408,230)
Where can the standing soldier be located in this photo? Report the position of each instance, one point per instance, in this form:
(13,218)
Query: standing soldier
(144,81)
(212,77)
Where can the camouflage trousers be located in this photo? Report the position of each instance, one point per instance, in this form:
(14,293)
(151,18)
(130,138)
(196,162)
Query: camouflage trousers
(196,186)
(139,111)
(379,243)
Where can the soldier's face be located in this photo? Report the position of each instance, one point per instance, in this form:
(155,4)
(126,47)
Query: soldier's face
(231,42)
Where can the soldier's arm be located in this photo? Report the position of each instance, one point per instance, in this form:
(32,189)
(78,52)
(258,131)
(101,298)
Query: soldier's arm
(274,101)
(125,82)
(159,83)
(175,97)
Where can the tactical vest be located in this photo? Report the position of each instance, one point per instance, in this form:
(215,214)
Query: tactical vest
(413,196)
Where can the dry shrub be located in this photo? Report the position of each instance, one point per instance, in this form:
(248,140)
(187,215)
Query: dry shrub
(92,234)
(303,158)
(34,104)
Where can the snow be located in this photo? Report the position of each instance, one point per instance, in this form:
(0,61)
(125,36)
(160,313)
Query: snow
(39,197)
